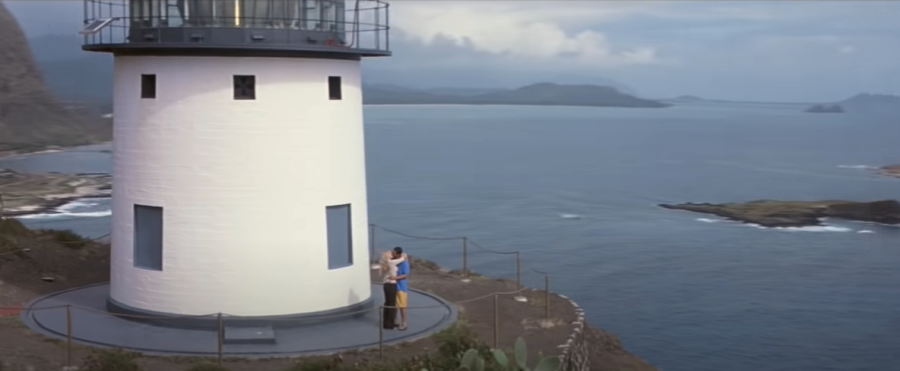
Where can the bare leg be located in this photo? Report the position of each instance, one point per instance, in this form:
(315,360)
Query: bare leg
(403,318)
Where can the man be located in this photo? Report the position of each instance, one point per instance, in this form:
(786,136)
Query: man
(402,286)
(388,265)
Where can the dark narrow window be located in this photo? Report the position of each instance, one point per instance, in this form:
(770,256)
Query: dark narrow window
(148,86)
(148,237)
(334,87)
(340,237)
(244,87)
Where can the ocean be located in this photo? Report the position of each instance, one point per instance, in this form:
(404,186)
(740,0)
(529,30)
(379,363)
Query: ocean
(575,190)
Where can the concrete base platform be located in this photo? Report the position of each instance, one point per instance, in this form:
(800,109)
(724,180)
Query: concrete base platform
(91,324)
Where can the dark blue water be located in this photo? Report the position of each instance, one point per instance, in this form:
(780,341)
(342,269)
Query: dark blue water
(575,189)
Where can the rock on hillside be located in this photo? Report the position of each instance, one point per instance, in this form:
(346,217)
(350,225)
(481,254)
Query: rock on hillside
(30,116)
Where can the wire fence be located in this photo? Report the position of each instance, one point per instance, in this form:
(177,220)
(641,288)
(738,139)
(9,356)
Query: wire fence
(465,244)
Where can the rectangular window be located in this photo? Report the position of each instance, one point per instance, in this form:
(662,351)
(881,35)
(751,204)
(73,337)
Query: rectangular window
(244,87)
(148,86)
(148,237)
(334,87)
(340,237)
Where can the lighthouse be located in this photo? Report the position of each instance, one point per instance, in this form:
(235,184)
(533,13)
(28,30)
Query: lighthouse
(238,154)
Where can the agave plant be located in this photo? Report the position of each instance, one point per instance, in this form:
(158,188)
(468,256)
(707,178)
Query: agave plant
(471,361)
(520,359)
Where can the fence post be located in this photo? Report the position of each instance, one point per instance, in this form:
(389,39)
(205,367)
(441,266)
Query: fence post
(547,296)
(381,331)
(518,272)
(372,258)
(69,335)
(466,257)
(221,338)
(496,321)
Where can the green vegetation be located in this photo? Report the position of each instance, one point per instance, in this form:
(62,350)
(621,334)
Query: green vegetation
(10,229)
(207,366)
(111,360)
(13,228)
(66,237)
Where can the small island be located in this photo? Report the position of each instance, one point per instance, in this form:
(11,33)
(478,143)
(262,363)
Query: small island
(825,108)
(892,171)
(780,214)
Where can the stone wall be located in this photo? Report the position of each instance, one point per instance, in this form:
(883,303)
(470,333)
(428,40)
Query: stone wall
(575,352)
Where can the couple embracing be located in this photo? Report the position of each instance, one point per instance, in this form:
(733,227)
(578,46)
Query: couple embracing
(394,266)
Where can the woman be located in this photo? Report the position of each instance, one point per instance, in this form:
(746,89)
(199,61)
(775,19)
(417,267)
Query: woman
(388,269)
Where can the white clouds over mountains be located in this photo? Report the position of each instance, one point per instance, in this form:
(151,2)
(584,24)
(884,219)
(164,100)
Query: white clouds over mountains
(518,29)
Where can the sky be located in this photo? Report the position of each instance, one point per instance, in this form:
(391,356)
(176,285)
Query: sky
(792,51)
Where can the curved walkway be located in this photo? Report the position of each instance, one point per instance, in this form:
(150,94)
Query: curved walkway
(93,325)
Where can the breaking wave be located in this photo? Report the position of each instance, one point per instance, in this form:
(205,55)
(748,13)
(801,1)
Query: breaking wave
(74,209)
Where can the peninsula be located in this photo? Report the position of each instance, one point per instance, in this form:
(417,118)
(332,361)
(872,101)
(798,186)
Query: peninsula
(775,214)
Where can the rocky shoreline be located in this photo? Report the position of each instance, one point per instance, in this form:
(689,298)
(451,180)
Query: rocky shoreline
(892,171)
(780,214)
(37,193)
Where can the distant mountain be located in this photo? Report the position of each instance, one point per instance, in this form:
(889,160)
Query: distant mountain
(31,116)
(865,103)
(871,103)
(541,94)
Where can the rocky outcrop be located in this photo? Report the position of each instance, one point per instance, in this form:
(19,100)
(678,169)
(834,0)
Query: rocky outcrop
(893,170)
(30,116)
(771,213)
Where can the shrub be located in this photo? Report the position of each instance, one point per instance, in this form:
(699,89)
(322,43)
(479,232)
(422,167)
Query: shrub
(10,227)
(207,366)
(313,365)
(111,360)
(68,238)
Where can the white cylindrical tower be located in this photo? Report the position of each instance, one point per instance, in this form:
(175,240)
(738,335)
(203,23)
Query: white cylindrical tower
(239,162)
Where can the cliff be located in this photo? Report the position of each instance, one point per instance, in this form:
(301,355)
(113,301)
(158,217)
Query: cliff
(31,117)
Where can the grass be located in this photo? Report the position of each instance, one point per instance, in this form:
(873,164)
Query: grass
(12,321)
(66,237)
(13,228)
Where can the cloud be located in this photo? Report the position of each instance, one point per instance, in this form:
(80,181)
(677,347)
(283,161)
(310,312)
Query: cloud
(532,30)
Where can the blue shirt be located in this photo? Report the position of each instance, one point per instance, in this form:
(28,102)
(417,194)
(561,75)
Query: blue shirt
(402,269)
